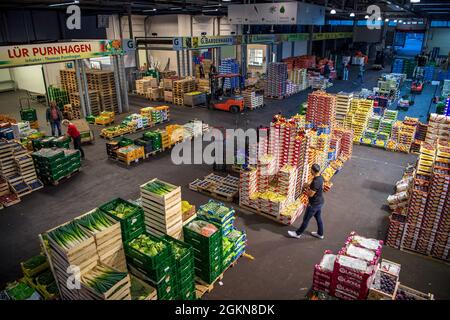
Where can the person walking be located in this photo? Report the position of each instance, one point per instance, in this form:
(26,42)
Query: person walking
(72,131)
(326,71)
(345,71)
(314,209)
(361,73)
(54,118)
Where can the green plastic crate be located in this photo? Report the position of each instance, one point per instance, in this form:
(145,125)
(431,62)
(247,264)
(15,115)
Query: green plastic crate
(187,293)
(135,218)
(146,261)
(165,271)
(28,114)
(135,231)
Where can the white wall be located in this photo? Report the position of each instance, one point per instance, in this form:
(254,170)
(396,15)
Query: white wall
(204,24)
(4,75)
(439,37)
(52,75)
(29,78)
(300,48)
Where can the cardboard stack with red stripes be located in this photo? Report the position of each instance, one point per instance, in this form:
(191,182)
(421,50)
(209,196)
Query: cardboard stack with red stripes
(321,109)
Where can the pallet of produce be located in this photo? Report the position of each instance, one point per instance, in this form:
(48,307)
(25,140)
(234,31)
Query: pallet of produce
(105,283)
(19,290)
(206,239)
(130,216)
(162,207)
(185,271)
(383,287)
(108,237)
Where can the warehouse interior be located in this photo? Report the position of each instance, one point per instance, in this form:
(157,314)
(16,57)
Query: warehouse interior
(363,194)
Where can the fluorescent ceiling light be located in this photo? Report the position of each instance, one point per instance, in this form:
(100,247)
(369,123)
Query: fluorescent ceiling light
(149,10)
(333,11)
(175,8)
(210,10)
(352,14)
(213,6)
(414,22)
(64,4)
(379,18)
(395,21)
(366,17)
(415,1)
(400,21)
(386,19)
(226,0)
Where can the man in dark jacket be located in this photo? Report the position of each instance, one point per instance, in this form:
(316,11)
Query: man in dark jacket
(314,209)
(54,118)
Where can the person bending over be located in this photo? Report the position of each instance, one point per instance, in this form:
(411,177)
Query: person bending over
(72,131)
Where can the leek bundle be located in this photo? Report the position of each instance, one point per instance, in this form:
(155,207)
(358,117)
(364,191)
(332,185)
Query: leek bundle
(102,278)
(69,235)
(96,221)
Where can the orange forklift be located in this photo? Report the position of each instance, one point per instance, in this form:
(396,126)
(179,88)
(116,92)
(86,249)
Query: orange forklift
(221,99)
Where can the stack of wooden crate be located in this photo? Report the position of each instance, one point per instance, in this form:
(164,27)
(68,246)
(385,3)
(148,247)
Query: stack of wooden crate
(68,80)
(94,99)
(180,87)
(104,83)
(108,242)
(343,101)
(162,212)
(72,111)
(83,255)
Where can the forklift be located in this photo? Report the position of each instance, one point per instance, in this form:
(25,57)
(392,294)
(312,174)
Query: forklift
(221,99)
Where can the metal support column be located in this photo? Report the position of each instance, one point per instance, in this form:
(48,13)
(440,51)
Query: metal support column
(80,88)
(120,84)
(183,63)
(86,87)
(310,40)
(178,63)
(243,59)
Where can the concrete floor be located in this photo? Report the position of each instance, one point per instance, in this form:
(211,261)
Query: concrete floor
(282,268)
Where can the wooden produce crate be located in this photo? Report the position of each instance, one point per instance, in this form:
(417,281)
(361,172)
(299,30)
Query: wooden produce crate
(141,290)
(162,213)
(108,242)
(375,293)
(120,291)
(407,293)
(168,96)
(390,267)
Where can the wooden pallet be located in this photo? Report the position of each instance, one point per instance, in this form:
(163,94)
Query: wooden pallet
(424,255)
(218,196)
(246,209)
(276,97)
(201,287)
(62,179)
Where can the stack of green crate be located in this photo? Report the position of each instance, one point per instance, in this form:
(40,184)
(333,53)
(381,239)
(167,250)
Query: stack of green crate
(28,114)
(408,67)
(61,142)
(184,268)
(151,259)
(130,216)
(374,122)
(155,138)
(58,95)
(124,142)
(90,119)
(215,211)
(239,240)
(228,252)
(390,115)
(47,142)
(206,239)
(72,160)
(157,116)
(49,164)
